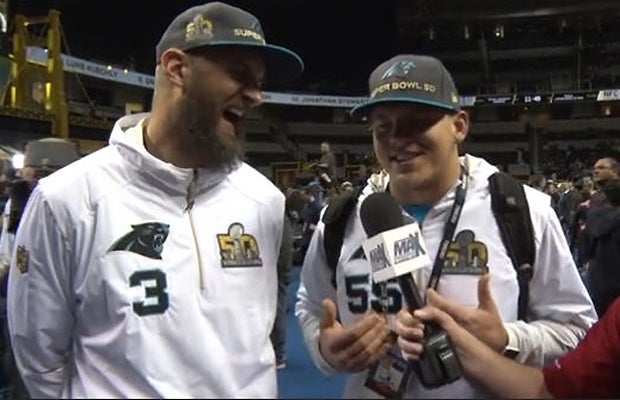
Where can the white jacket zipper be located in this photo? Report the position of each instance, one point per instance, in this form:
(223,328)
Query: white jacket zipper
(188,208)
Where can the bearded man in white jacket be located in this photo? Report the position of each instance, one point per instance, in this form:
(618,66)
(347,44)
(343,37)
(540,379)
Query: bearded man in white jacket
(148,268)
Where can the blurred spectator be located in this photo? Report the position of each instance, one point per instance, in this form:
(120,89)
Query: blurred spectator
(578,241)
(605,169)
(310,214)
(552,190)
(328,161)
(570,198)
(538,182)
(42,157)
(285,259)
(370,166)
(603,249)
(7,176)
(296,201)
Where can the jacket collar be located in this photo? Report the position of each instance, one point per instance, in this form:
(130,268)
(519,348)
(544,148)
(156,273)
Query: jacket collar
(127,137)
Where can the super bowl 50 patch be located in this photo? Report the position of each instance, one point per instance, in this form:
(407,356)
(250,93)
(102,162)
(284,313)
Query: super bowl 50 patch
(238,249)
(466,255)
(22,259)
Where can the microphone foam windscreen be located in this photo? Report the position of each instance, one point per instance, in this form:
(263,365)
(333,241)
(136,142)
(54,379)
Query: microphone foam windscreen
(380,212)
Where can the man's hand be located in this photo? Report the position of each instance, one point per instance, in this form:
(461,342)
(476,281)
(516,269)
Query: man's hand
(354,348)
(483,322)
(410,332)
(409,327)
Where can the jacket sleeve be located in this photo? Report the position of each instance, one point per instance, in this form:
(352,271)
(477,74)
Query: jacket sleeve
(315,285)
(6,240)
(592,369)
(560,310)
(40,303)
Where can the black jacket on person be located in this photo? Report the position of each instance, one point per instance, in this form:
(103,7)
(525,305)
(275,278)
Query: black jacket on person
(598,200)
(567,207)
(603,250)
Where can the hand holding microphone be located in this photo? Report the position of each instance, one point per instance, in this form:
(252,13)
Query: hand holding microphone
(395,250)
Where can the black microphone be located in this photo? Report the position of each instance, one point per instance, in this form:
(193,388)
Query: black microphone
(396,249)
(385,226)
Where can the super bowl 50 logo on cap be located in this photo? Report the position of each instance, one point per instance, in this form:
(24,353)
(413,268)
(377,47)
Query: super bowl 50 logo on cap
(199,28)
(251,32)
(238,249)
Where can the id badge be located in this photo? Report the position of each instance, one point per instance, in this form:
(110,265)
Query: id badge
(389,376)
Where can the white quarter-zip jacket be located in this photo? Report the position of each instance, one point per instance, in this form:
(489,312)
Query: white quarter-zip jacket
(560,308)
(134,278)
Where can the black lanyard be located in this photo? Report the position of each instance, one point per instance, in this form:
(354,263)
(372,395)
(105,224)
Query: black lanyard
(448,231)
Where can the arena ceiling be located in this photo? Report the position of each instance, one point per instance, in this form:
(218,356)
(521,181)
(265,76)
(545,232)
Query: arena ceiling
(490,45)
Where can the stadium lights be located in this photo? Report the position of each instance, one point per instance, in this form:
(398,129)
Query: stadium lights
(562,25)
(18,160)
(499,31)
(431,33)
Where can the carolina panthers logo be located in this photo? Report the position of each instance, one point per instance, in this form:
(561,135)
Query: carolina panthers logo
(145,239)
(399,70)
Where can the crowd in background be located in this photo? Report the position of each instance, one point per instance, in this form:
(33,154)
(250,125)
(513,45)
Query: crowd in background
(580,184)
(572,164)
(568,176)
(574,179)
(587,207)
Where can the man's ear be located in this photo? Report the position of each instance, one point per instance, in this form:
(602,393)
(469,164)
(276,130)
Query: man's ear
(461,126)
(173,62)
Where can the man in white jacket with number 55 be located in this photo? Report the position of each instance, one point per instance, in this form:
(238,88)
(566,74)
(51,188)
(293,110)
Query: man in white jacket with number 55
(417,126)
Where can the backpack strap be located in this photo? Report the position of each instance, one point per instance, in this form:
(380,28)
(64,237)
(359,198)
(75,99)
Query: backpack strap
(512,214)
(335,218)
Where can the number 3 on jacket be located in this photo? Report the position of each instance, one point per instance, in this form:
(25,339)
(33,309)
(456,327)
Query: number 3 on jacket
(155,296)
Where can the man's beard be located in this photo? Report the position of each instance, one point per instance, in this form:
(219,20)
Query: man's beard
(199,116)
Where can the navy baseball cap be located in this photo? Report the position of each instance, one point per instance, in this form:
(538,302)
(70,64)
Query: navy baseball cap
(411,78)
(219,24)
